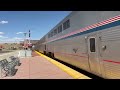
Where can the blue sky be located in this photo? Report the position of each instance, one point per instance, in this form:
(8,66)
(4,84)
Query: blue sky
(13,23)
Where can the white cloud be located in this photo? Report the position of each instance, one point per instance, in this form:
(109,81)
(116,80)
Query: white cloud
(27,38)
(1,32)
(3,22)
(17,38)
(19,32)
(3,37)
(11,40)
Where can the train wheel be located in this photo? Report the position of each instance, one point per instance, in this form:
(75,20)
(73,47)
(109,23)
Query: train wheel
(52,55)
(44,52)
(49,54)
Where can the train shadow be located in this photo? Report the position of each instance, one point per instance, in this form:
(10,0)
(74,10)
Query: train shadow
(78,69)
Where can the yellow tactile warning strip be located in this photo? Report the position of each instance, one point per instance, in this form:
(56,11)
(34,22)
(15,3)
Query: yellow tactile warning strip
(73,73)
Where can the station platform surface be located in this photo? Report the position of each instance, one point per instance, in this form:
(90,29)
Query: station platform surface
(40,66)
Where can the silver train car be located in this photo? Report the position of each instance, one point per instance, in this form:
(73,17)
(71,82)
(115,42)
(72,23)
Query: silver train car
(89,40)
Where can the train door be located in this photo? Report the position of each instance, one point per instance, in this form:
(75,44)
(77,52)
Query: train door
(93,52)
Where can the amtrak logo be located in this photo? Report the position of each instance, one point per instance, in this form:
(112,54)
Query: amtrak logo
(75,49)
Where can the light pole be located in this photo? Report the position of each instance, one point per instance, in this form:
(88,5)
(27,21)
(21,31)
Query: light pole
(25,42)
(25,39)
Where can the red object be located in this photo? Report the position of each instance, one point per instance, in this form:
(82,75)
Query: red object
(1,46)
(112,61)
(26,45)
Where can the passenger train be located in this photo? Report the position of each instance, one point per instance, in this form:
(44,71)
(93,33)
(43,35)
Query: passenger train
(89,40)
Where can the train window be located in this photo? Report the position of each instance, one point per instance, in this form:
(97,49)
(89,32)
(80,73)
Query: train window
(92,44)
(60,29)
(51,34)
(55,31)
(66,24)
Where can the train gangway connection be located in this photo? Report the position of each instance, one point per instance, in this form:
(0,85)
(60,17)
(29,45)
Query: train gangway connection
(40,66)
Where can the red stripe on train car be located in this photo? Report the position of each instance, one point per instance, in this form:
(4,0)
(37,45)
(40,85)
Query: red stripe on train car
(107,21)
(111,61)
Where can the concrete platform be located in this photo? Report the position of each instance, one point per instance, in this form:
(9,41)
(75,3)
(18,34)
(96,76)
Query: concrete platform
(25,53)
(38,67)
